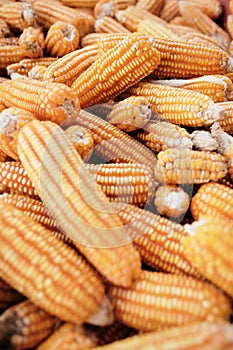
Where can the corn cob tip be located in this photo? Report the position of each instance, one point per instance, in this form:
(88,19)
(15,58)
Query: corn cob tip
(191,228)
(214,113)
(103,316)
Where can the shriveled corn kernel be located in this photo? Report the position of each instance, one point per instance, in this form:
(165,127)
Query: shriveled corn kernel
(203,141)
(8,295)
(25,65)
(82,140)
(18,15)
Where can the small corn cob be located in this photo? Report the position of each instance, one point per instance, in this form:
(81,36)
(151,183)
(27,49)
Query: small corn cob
(153,6)
(26,325)
(170,10)
(214,200)
(63,284)
(4,29)
(82,140)
(109,7)
(159,135)
(79,3)
(198,336)
(24,66)
(171,201)
(14,179)
(130,114)
(32,40)
(18,15)
(213,8)
(170,301)
(46,100)
(203,141)
(225,148)
(51,11)
(111,143)
(184,166)
(179,106)
(127,183)
(8,296)
(158,240)
(210,249)
(11,121)
(122,64)
(69,336)
(227,122)
(61,39)
(109,25)
(156,30)
(37,72)
(67,68)
(75,201)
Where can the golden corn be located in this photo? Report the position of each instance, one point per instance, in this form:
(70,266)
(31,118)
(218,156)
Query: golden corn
(179,106)
(227,122)
(82,140)
(47,100)
(109,25)
(32,40)
(210,249)
(77,204)
(63,284)
(8,295)
(214,200)
(11,54)
(212,9)
(25,65)
(12,40)
(200,38)
(37,72)
(185,166)
(122,64)
(26,325)
(156,30)
(153,6)
(94,38)
(18,15)
(170,301)
(79,3)
(181,30)
(170,10)
(109,7)
(203,141)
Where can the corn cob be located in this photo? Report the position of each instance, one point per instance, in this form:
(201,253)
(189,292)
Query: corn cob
(74,209)
(198,336)
(63,284)
(153,6)
(181,21)
(82,140)
(12,40)
(210,250)
(127,183)
(98,38)
(170,10)
(136,51)
(203,141)
(182,30)
(8,296)
(158,240)
(102,110)
(214,200)
(32,40)
(184,166)
(159,135)
(179,106)
(171,301)
(200,38)
(51,11)
(10,54)
(111,143)
(109,25)
(130,114)
(26,325)
(227,122)
(37,72)
(213,8)
(24,66)
(156,30)
(61,39)
(11,121)
(47,100)
(79,3)
(225,148)
(18,15)
(67,68)
(4,29)
(109,7)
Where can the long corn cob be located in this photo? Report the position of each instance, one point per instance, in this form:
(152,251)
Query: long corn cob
(47,100)
(179,106)
(181,30)
(93,38)
(122,64)
(171,301)
(8,296)
(184,166)
(156,30)
(82,140)
(25,325)
(153,6)
(227,122)
(18,15)
(109,25)
(109,7)
(214,200)
(210,249)
(24,66)
(76,203)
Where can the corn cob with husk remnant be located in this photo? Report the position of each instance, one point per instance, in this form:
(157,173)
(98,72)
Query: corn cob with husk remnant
(25,65)
(109,25)
(156,30)
(109,7)
(203,141)
(25,326)
(82,140)
(209,247)
(75,201)
(227,122)
(8,296)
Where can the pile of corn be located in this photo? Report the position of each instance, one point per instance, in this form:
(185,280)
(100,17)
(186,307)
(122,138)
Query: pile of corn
(116,175)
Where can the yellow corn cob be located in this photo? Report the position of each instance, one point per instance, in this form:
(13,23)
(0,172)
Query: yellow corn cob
(82,140)
(47,100)
(76,202)
(182,30)
(227,122)
(8,296)
(63,284)
(212,9)
(153,6)
(130,114)
(170,301)
(69,336)
(14,179)
(159,135)
(109,7)
(203,141)
(127,183)
(181,21)
(67,68)
(97,38)
(24,66)
(102,110)
(79,3)
(37,72)
(3,2)
(13,40)
(179,106)
(156,30)
(109,25)
(32,40)
(18,15)
(4,29)
(122,64)
(185,166)
(198,336)
(210,250)
(170,10)
(214,200)
(111,143)
(10,54)
(158,240)
(61,39)
(26,325)
(11,121)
